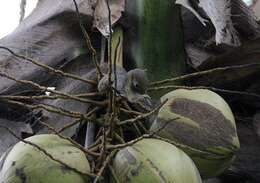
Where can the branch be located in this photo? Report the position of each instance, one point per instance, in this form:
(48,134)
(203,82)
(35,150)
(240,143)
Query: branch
(203,87)
(88,41)
(41,97)
(45,89)
(70,140)
(201,73)
(77,121)
(132,142)
(105,164)
(110,82)
(142,116)
(52,109)
(48,68)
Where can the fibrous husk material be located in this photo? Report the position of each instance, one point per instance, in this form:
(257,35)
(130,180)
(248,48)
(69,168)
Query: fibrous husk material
(204,122)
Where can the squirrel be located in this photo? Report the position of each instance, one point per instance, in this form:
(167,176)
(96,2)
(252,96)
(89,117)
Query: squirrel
(131,85)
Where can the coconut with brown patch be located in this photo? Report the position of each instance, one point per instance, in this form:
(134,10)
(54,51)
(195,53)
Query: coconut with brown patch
(205,128)
(153,161)
(26,164)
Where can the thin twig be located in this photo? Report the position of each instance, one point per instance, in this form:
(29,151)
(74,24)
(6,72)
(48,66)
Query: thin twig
(112,171)
(103,148)
(130,143)
(142,116)
(105,164)
(137,129)
(119,138)
(203,87)
(88,41)
(110,58)
(95,145)
(92,94)
(131,112)
(69,139)
(88,174)
(149,135)
(46,89)
(70,125)
(142,126)
(196,152)
(41,97)
(195,74)
(48,68)
(51,109)
(114,103)
(78,121)
(57,110)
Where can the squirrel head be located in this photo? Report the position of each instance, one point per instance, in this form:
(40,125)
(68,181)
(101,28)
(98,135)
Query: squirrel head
(137,80)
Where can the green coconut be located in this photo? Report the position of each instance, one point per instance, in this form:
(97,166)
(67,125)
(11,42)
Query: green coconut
(26,164)
(153,161)
(205,128)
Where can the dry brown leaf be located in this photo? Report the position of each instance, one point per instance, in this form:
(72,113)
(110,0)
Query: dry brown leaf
(188,5)
(219,13)
(101,20)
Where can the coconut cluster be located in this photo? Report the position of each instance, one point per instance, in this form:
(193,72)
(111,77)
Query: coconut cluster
(197,138)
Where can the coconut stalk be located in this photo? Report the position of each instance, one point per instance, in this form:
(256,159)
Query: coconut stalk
(117,58)
(158,45)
